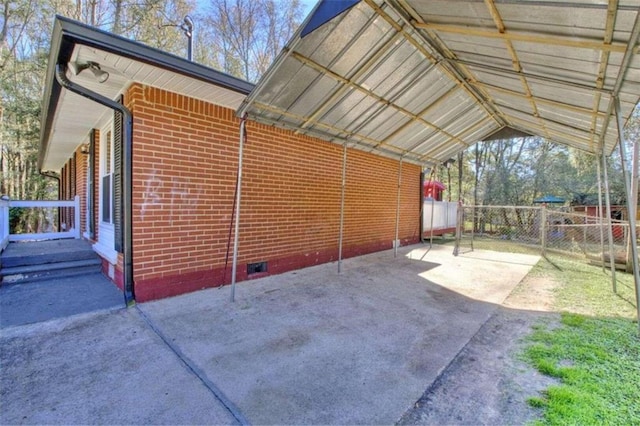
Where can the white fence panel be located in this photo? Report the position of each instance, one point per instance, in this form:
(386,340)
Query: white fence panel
(444,214)
(6,236)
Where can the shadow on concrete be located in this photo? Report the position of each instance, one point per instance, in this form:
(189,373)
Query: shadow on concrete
(33,302)
(306,347)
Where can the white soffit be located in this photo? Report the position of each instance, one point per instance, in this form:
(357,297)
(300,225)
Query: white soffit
(424,79)
(75,115)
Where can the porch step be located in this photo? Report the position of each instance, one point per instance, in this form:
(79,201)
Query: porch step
(47,258)
(30,273)
(35,261)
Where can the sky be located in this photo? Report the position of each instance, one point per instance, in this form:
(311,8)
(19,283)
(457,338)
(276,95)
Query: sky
(307,6)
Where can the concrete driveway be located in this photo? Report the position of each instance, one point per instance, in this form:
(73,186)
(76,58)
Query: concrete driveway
(306,347)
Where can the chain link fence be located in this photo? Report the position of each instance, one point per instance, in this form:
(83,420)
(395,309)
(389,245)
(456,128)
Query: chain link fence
(542,229)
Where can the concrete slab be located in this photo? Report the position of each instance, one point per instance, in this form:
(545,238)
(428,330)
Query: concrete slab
(318,347)
(309,346)
(33,302)
(99,368)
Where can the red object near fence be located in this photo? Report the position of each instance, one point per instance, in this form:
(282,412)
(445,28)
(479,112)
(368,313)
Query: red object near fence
(433,189)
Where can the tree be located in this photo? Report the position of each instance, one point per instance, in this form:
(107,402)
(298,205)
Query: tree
(250,33)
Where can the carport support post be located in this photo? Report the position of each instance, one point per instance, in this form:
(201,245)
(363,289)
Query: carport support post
(600,211)
(631,209)
(433,205)
(396,241)
(543,229)
(607,201)
(237,224)
(459,227)
(344,184)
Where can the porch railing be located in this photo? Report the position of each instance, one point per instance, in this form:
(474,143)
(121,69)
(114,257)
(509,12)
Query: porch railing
(5,232)
(439,215)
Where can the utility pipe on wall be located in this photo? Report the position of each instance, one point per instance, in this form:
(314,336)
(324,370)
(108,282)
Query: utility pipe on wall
(238,197)
(396,241)
(344,184)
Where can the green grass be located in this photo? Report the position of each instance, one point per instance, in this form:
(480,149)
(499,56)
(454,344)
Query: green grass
(594,352)
(597,363)
(587,289)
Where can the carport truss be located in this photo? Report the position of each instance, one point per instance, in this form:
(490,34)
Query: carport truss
(421,80)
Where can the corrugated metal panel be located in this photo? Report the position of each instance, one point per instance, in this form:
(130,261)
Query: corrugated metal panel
(423,78)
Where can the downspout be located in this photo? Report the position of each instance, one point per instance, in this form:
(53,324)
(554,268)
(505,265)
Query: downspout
(421,224)
(55,176)
(127,172)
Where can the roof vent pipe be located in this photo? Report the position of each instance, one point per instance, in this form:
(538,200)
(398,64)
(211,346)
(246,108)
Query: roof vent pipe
(187,28)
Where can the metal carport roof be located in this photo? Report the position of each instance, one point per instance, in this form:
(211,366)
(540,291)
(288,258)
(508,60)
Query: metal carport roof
(422,80)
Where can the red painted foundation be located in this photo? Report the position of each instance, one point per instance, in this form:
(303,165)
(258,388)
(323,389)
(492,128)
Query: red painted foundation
(158,288)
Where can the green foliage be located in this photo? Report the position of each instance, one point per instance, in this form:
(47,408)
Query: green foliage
(537,402)
(24,45)
(587,289)
(594,352)
(517,171)
(597,361)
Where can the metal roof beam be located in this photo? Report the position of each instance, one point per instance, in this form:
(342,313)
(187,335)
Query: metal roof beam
(517,66)
(568,126)
(532,128)
(546,79)
(546,101)
(451,73)
(341,134)
(554,40)
(421,113)
(624,66)
(354,76)
(301,118)
(312,64)
(602,69)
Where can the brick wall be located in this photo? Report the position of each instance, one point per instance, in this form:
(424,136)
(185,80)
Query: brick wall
(68,176)
(73,181)
(81,187)
(185,162)
(96,180)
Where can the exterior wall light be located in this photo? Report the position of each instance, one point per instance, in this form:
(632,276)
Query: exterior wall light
(98,73)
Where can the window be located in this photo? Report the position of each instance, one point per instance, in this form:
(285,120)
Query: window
(107,178)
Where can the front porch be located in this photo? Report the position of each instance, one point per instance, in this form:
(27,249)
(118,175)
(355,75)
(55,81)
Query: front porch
(43,280)
(46,270)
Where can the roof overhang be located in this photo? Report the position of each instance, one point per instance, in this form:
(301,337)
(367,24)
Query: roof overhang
(423,80)
(67,118)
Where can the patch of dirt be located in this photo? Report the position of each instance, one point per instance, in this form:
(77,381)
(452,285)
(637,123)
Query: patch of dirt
(486,383)
(533,293)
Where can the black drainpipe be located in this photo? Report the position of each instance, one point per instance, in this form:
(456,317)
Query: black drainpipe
(55,176)
(127,149)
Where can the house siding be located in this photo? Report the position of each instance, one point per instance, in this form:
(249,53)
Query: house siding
(185,159)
